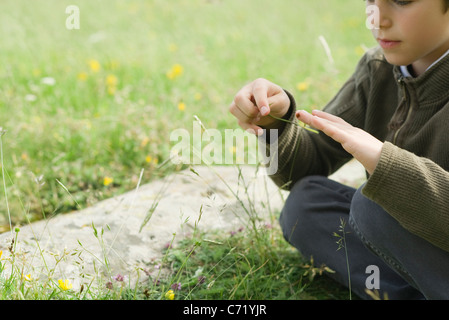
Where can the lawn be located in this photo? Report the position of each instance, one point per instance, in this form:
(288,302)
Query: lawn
(83,111)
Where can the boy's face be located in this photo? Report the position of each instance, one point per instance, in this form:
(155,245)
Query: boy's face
(412,32)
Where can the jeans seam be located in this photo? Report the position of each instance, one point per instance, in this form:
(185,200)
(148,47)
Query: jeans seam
(378,252)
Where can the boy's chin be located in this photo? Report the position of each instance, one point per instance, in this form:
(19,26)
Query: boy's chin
(397,60)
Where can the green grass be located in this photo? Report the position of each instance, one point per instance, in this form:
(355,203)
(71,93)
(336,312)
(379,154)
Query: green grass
(245,264)
(237,266)
(63,139)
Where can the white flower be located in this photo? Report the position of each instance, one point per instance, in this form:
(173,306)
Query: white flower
(49,81)
(30,97)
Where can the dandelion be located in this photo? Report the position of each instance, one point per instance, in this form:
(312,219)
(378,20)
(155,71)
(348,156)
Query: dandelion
(170,295)
(111,90)
(181,106)
(172,47)
(360,50)
(303,86)
(144,142)
(107,181)
(94,65)
(111,80)
(148,159)
(82,76)
(111,84)
(175,71)
(36,72)
(113,65)
(65,285)
(197,96)
(1,253)
(24,156)
(26,277)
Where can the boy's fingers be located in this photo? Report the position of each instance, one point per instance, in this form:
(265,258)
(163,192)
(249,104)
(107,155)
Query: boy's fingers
(251,128)
(333,126)
(244,116)
(311,119)
(328,116)
(305,117)
(244,103)
(260,94)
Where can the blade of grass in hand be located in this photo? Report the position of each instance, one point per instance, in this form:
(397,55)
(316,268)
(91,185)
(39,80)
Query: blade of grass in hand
(295,123)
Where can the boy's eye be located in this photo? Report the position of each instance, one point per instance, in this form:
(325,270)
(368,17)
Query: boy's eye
(402,3)
(398,2)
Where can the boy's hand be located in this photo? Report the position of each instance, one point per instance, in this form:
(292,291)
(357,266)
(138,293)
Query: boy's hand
(363,146)
(255,101)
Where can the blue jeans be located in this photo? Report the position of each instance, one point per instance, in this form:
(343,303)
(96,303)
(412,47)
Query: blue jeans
(408,267)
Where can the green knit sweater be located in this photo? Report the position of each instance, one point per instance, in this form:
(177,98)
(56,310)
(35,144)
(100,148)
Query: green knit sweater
(411,116)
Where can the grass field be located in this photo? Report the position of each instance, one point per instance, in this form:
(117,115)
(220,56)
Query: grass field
(85,110)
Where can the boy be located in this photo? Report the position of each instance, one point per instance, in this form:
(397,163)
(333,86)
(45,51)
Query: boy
(391,116)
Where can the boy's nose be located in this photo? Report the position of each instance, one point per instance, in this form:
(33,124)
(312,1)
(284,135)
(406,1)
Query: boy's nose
(383,10)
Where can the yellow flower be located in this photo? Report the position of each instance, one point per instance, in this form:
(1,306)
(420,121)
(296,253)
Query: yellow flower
(26,277)
(144,142)
(112,90)
(94,65)
(107,181)
(181,106)
(82,76)
(111,83)
(65,285)
(24,156)
(197,96)
(36,72)
(360,50)
(1,253)
(302,86)
(175,71)
(111,80)
(172,47)
(149,159)
(170,295)
(113,65)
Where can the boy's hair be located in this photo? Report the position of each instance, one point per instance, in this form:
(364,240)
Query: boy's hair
(446,5)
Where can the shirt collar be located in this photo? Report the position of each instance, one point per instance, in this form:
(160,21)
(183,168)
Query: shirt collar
(406,73)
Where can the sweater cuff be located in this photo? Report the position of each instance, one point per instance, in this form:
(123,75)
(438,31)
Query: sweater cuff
(381,172)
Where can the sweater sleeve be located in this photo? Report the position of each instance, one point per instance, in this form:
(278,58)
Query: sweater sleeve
(420,188)
(302,153)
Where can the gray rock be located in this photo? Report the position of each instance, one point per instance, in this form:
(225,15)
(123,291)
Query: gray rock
(113,237)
